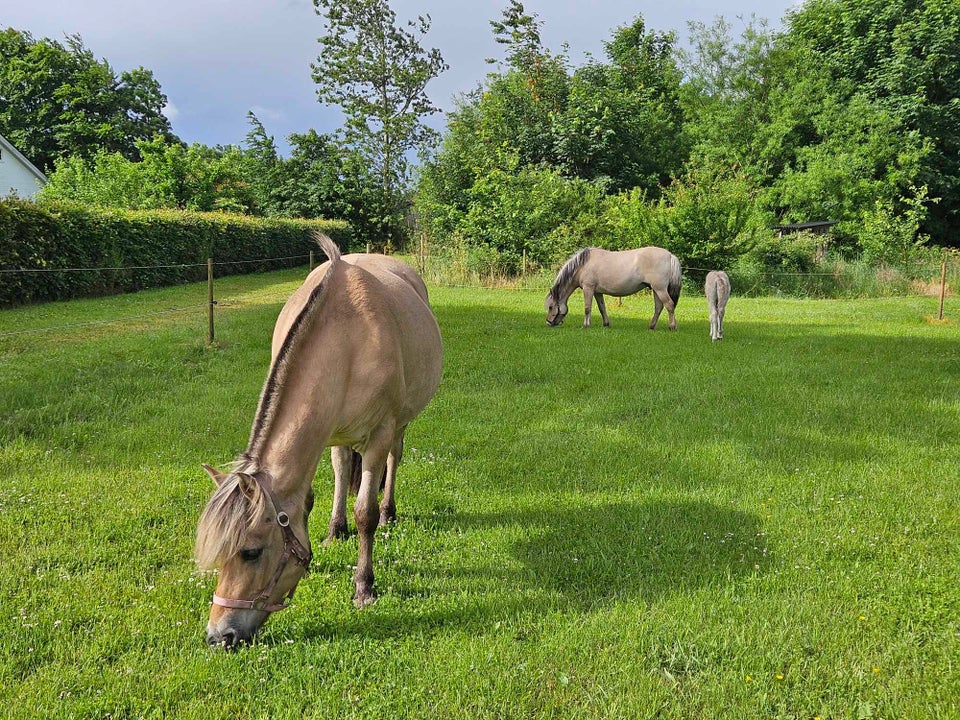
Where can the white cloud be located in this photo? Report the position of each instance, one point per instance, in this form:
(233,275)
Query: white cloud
(266,113)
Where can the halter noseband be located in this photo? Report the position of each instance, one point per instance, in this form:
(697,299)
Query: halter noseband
(292,548)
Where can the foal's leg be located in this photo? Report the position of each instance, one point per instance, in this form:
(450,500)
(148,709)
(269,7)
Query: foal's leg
(366,512)
(712,306)
(601,303)
(388,505)
(341,457)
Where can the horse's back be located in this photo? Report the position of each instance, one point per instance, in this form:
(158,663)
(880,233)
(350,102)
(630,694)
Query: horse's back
(376,318)
(394,274)
(624,272)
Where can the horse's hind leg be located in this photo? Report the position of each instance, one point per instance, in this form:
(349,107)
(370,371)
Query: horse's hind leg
(388,505)
(657,309)
(341,457)
(661,299)
(602,305)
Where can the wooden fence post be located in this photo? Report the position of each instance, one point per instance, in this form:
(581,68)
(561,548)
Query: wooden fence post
(311,261)
(212,302)
(943,287)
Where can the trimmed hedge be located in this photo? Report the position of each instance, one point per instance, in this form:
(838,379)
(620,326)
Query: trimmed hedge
(51,236)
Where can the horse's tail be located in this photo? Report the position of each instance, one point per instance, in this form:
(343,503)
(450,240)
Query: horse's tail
(676,276)
(328,246)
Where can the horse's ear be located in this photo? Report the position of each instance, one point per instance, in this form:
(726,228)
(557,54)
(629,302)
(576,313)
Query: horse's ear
(217,476)
(248,486)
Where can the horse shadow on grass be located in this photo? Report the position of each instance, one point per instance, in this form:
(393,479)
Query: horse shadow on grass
(625,550)
(556,559)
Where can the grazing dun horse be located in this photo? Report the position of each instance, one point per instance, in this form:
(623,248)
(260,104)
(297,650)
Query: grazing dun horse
(602,272)
(717,289)
(356,356)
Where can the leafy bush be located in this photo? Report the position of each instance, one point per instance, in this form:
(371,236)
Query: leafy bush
(535,210)
(708,217)
(170,246)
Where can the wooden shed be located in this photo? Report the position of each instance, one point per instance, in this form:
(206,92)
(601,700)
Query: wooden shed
(816,227)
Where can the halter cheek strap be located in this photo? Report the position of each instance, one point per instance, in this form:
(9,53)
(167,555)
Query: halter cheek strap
(292,549)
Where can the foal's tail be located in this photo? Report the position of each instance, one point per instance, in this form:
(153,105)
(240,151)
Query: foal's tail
(676,276)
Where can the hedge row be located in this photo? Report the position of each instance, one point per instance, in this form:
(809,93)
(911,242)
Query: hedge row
(52,236)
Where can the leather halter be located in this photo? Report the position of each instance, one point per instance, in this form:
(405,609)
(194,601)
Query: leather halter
(292,549)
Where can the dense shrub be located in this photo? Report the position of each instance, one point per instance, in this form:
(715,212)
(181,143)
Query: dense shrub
(536,210)
(40,245)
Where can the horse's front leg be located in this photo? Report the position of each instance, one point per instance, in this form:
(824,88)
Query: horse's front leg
(587,305)
(341,457)
(602,305)
(388,505)
(366,512)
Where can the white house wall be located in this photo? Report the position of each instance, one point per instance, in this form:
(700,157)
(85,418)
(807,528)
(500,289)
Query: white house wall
(15,178)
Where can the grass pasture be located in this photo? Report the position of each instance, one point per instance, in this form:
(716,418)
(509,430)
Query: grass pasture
(601,523)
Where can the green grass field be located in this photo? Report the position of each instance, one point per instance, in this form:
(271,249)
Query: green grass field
(602,523)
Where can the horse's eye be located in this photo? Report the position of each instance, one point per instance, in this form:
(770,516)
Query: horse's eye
(251,555)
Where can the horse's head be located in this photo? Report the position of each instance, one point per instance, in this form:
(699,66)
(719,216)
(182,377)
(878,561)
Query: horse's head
(556,309)
(255,542)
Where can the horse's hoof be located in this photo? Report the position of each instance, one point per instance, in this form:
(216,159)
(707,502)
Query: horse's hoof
(387,519)
(364,599)
(336,533)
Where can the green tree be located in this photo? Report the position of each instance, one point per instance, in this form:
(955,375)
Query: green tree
(58,100)
(323,178)
(623,119)
(377,74)
(167,175)
(520,105)
(817,144)
(261,166)
(904,57)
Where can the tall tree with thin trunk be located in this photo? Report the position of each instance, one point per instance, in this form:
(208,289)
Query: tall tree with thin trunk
(377,74)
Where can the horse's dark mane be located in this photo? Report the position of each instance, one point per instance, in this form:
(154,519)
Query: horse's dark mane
(569,269)
(280,366)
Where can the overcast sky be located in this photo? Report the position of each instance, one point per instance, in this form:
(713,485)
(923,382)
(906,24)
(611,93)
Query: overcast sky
(217,59)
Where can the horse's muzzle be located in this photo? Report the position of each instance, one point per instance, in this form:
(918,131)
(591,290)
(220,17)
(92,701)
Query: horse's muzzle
(229,639)
(232,633)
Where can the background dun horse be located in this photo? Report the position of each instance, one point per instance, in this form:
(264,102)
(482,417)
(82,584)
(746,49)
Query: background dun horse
(356,356)
(717,290)
(602,272)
